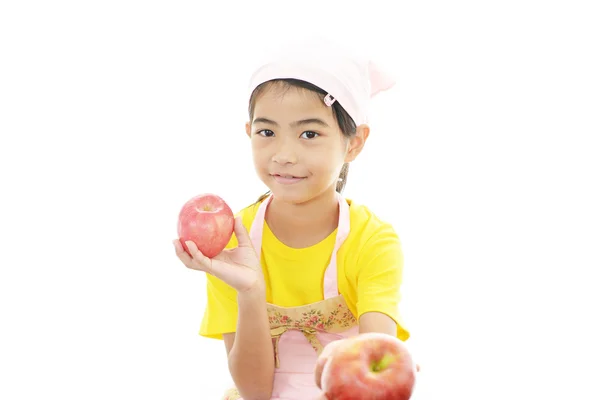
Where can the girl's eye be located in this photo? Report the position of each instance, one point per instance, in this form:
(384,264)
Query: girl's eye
(310,134)
(266,132)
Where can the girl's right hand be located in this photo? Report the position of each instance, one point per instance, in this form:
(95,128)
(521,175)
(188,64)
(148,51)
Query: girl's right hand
(238,267)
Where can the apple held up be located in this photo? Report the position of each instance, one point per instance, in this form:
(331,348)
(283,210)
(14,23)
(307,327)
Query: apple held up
(207,221)
(369,366)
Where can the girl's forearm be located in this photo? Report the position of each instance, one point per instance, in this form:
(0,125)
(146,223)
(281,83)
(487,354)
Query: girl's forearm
(251,359)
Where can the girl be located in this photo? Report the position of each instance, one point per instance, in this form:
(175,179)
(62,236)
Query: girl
(305,267)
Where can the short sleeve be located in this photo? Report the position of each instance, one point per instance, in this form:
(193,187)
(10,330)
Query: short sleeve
(380,277)
(220,314)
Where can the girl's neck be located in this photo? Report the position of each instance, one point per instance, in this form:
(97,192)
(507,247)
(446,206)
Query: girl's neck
(306,224)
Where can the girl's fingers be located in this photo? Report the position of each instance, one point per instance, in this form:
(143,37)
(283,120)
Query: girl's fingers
(196,261)
(241,233)
(324,358)
(199,260)
(330,347)
(182,254)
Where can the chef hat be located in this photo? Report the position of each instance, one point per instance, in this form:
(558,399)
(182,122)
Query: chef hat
(349,79)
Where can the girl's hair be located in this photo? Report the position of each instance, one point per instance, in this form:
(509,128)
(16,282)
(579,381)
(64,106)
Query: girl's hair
(345,122)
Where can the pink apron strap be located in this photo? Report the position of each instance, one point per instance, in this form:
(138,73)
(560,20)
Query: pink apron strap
(256,230)
(330,283)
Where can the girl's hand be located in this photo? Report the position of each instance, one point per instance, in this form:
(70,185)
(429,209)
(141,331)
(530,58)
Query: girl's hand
(238,267)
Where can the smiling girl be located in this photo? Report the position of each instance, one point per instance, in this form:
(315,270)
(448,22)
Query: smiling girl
(306,266)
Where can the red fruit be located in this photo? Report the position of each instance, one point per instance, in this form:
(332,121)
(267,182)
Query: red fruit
(370,366)
(208,221)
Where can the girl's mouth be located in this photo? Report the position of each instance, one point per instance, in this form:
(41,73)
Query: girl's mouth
(287,179)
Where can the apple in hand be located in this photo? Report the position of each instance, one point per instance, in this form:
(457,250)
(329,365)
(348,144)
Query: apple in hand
(208,221)
(369,366)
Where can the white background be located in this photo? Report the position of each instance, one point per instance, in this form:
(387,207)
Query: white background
(484,157)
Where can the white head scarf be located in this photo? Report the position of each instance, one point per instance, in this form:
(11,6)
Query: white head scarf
(350,79)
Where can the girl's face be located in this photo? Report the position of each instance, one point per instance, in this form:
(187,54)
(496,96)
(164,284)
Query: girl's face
(297,146)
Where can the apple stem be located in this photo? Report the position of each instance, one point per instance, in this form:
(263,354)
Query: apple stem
(382,364)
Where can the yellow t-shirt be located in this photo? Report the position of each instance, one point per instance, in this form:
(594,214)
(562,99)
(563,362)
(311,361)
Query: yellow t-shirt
(370,264)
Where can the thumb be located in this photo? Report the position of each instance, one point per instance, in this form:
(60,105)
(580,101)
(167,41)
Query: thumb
(241,233)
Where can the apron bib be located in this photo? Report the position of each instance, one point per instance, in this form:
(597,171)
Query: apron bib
(300,333)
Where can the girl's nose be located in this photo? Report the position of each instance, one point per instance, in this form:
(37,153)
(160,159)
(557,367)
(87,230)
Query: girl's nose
(285,154)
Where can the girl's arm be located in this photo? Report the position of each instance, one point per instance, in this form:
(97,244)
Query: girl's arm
(250,349)
(377,322)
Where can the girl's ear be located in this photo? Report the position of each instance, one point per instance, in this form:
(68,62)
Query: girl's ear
(357,142)
(248,129)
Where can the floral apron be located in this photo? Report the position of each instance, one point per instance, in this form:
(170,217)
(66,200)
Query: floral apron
(300,333)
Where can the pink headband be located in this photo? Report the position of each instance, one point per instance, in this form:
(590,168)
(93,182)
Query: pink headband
(349,79)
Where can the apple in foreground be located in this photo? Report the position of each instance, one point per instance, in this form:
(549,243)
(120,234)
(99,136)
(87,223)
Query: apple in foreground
(369,366)
(208,221)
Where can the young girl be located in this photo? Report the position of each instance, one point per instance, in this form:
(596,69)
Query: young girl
(305,267)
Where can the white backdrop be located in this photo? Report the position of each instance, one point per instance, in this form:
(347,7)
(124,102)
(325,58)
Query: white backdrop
(484,156)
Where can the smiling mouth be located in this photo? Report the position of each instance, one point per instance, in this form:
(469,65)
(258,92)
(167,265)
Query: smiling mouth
(287,176)
(287,179)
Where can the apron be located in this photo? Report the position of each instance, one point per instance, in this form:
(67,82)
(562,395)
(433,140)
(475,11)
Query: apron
(300,333)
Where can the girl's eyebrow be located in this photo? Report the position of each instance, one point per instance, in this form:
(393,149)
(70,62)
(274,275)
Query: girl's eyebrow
(307,121)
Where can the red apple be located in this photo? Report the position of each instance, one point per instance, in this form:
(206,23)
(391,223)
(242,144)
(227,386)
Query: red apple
(208,221)
(369,366)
